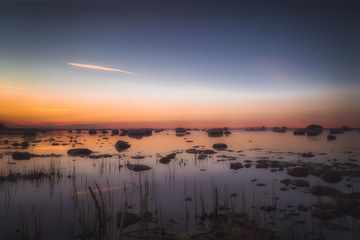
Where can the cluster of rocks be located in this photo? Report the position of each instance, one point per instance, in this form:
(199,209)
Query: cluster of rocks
(279,130)
(167,158)
(218,132)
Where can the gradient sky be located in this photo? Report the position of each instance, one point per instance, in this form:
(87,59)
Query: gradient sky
(180,63)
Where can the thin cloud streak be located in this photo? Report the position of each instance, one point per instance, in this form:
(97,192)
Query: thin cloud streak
(98,67)
(17,88)
(53,109)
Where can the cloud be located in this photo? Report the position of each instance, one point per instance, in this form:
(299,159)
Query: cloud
(17,88)
(98,67)
(53,109)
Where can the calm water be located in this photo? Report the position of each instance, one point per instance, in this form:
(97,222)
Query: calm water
(61,207)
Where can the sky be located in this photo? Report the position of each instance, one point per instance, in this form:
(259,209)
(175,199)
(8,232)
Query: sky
(190,63)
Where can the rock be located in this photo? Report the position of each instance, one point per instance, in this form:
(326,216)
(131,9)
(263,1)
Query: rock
(346,128)
(104,131)
(299,172)
(24,144)
(318,171)
(92,132)
(100,156)
(279,130)
(336,131)
(215,132)
(315,127)
(129,218)
(236,166)
(138,167)
(319,190)
(256,129)
(286,181)
(139,133)
(331,176)
(21,155)
(284,189)
(165,160)
(300,183)
(312,133)
(299,132)
(219,146)
(180,130)
(79,152)
(115,132)
(308,155)
(331,137)
(121,145)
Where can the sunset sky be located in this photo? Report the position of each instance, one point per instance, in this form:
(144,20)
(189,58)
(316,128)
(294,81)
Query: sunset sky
(177,63)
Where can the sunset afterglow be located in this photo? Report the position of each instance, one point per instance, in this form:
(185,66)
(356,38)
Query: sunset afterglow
(224,65)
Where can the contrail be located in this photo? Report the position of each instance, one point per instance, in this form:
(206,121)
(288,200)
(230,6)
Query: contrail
(98,67)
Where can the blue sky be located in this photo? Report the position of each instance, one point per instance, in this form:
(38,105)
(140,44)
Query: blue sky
(203,51)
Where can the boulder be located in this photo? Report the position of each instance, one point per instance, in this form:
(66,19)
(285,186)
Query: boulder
(308,155)
(24,144)
(215,132)
(115,132)
(165,160)
(138,167)
(180,130)
(299,132)
(331,176)
(92,132)
(21,155)
(318,171)
(79,152)
(219,146)
(236,166)
(319,190)
(300,183)
(121,145)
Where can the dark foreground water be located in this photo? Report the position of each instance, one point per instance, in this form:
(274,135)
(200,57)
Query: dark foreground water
(49,196)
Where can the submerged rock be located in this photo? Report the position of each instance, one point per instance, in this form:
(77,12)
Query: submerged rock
(138,167)
(21,155)
(326,213)
(129,218)
(299,172)
(319,190)
(79,152)
(331,137)
(121,145)
(300,183)
(336,131)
